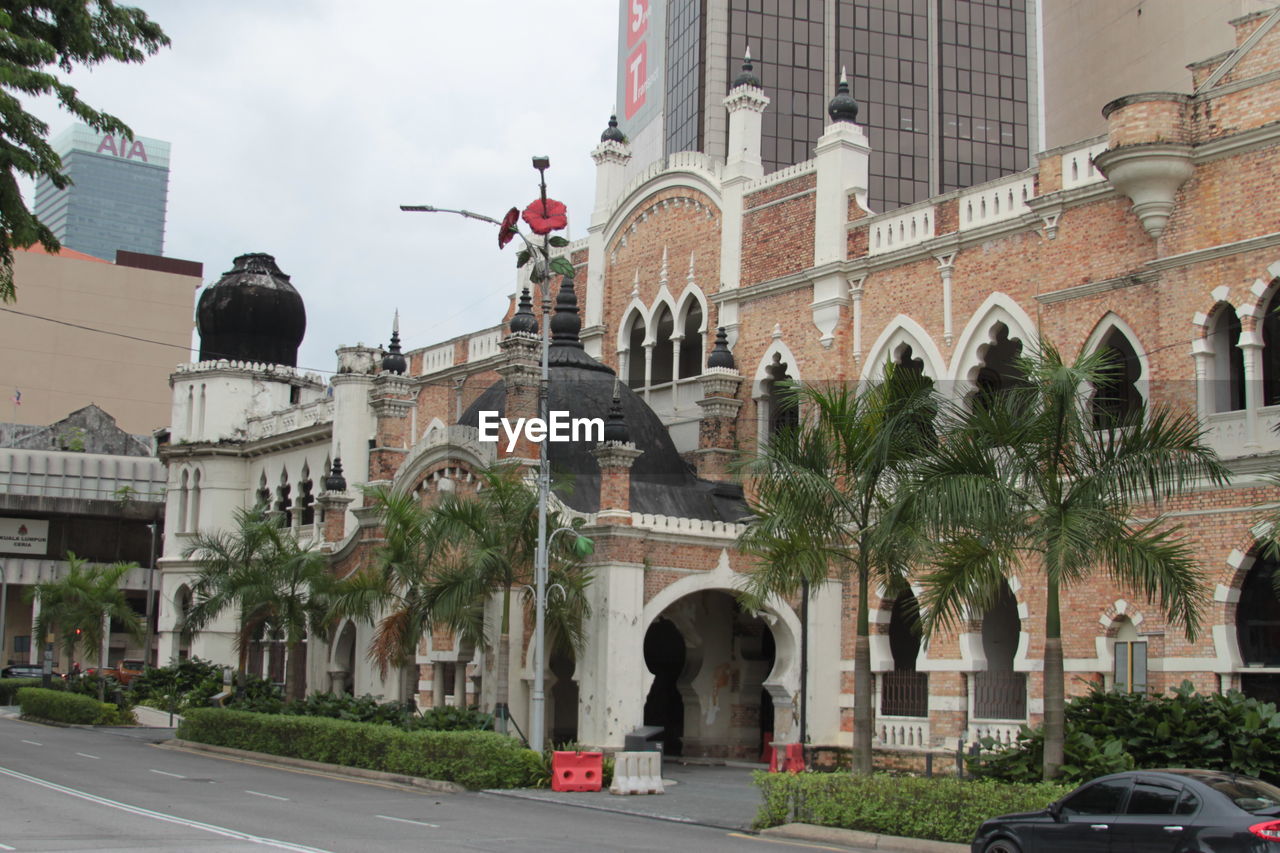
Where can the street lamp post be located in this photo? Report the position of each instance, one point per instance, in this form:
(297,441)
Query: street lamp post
(537,713)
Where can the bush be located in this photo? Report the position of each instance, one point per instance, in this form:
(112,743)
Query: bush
(1107,732)
(9,687)
(61,707)
(943,809)
(450,719)
(472,759)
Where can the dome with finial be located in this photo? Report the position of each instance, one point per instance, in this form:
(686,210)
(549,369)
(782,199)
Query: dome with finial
(611,133)
(720,354)
(615,424)
(843,107)
(251,314)
(746,77)
(661,481)
(523,321)
(393,361)
(334,481)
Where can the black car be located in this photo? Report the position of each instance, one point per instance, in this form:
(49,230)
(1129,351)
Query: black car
(21,670)
(1147,811)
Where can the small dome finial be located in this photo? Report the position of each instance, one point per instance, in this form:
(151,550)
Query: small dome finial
(611,133)
(565,322)
(524,321)
(720,353)
(746,77)
(615,425)
(335,482)
(393,361)
(843,107)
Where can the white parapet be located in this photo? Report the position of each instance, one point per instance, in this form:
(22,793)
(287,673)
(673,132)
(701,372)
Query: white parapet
(996,202)
(908,228)
(1077,166)
(437,358)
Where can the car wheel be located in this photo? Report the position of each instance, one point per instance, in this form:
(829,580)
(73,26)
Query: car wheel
(1002,845)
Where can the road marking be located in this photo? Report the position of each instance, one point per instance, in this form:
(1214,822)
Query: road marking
(7,847)
(805,844)
(406,820)
(268,796)
(33,743)
(174,775)
(87,755)
(167,818)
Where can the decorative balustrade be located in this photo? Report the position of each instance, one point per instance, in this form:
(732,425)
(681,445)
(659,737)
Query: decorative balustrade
(1078,169)
(483,345)
(897,734)
(1002,733)
(904,694)
(910,228)
(997,202)
(295,417)
(437,359)
(1000,695)
(781,176)
(1226,432)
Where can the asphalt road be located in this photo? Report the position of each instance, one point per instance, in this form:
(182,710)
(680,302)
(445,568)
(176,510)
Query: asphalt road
(78,789)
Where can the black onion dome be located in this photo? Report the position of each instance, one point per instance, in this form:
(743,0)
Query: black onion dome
(524,320)
(615,424)
(661,481)
(843,107)
(394,361)
(335,482)
(611,133)
(721,356)
(746,77)
(251,314)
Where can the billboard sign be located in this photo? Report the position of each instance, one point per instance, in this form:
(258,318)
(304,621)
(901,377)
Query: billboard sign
(140,149)
(24,536)
(641,63)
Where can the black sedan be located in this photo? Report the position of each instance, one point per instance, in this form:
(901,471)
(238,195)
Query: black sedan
(1147,811)
(25,671)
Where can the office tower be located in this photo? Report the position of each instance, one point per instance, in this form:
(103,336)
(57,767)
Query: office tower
(117,198)
(946,87)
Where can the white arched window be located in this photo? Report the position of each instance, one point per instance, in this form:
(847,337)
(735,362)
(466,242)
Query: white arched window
(1116,399)
(1226,375)
(194,516)
(692,343)
(184,489)
(663,364)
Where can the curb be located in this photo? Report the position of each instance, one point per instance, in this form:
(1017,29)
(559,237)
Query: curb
(413,782)
(862,840)
(522,794)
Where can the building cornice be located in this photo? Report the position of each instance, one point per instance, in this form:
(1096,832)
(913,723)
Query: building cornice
(308,435)
(1093,288)
(1237,143)
(1211,253)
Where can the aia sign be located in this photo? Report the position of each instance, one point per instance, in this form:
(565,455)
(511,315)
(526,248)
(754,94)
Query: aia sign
(124,149)
(637,70)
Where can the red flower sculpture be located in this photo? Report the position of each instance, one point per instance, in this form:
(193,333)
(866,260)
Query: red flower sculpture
(543,219)
(507,230)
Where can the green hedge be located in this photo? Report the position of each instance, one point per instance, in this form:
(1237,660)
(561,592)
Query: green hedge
(9,687)
(63,707)
(472,759)
(943,809)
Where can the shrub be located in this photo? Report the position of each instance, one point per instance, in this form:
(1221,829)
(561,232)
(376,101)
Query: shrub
(472,759)
(450,719)
(62,707)
(943,809)
(9,687)
(1107,732)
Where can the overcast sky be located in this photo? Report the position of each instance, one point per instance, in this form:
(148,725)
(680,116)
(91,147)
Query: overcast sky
(298,128)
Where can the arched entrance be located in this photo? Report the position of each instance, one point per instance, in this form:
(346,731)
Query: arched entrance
(564,698)
(342,671)
(1258,631)
(710,661)
(1000,693)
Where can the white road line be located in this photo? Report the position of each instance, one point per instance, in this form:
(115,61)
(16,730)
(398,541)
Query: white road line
(167,818)
(7,847)
(268,796)
(174,775)
(33,743)
(406,820)
(87,755)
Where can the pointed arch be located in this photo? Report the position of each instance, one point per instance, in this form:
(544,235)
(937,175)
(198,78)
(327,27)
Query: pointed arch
(632,335)
(1224,371)
(979,333)
(1134,370)
(904,331)
(661,339)
(691,326)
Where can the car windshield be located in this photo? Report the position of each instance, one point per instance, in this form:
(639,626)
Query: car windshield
(1251,795)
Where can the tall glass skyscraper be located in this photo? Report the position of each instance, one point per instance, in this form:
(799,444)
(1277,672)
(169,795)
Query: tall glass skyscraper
(947,87)
(118,194)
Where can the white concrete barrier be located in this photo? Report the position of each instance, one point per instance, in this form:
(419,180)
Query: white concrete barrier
(637,773)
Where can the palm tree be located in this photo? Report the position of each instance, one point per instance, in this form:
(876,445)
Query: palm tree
(392,595)
(495,534)
(276,586)
(1025,472)
(824,497)
(79,606)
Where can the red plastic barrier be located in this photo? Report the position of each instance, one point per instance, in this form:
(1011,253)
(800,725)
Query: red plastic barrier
(795,757)
(576,771)
(765,754)
(772,751)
